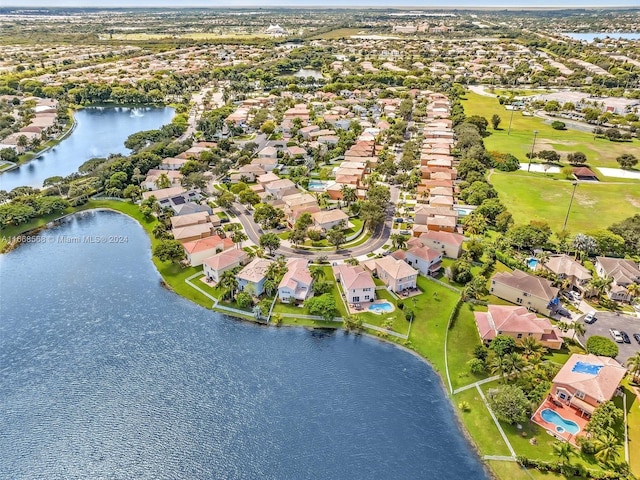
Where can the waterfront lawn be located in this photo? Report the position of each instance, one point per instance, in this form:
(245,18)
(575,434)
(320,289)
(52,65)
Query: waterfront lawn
(633,423)
(599,152)
(513,471)
(433,309)
(462,339)
(479,424)
(539,198)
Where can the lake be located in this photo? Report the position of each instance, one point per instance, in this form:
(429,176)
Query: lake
(106,374)
(99,131)
(588,37)
(307,72)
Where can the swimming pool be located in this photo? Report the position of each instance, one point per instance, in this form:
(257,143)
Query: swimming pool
(532,263)
(587,368)
(463,212)
(318,185)
(382,307)
(562,425)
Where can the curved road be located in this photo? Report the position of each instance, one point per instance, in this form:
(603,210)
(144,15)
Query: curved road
(374,242)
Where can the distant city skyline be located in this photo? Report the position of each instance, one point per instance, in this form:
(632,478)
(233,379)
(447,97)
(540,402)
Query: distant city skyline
(470,4)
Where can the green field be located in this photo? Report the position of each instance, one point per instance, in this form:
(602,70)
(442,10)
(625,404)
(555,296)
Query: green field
(595,205)
(339,33)
(599,152)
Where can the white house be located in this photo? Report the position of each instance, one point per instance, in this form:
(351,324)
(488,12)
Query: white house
(424,259)
(357,284)
(254,274)
(219,263)
(296,284)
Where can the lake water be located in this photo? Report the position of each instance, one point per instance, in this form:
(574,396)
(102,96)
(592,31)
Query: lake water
(307,72)
(588,37)
(99,131)
(105,374)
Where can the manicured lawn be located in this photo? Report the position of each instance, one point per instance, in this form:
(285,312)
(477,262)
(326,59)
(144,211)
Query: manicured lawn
(479,424)
(433,309)
(513,471)
(599,152)
(595,205)
(633,421)
(462,339)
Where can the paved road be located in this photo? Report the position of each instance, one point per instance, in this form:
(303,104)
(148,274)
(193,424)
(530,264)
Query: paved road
(375,242)
(216,100)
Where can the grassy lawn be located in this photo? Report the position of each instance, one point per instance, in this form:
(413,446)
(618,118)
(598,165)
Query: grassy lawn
(433,309)
(599,152)
(463,338)
(479,424)
(338,33)
(539,198)
(400,325)
(513,471)
(633,421)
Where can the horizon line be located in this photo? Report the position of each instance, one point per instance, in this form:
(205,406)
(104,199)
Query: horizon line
(325,7)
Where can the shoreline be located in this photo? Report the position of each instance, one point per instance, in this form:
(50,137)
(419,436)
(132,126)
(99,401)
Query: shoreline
(457,415)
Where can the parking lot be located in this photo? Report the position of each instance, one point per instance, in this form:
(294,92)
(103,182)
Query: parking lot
(626,323)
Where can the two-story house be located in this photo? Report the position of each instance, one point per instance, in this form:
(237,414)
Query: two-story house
(217,264)
(622,273)
(586,381)
(534,293)
(518,323)
(356,282)
(426,260)
(565,267)
(396,274)
(449,244)
(295,286)
(254,275)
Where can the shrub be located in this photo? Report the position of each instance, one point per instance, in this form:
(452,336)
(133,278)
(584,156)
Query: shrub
(602,346)
(464,406)
(476,365)
(557,125)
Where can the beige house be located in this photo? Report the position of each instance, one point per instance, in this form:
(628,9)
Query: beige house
(198,251)
(586,381)
(280,188)
(622,273)
(356,282)
(449,244)
(396,274)
(518,323)
(296,284)
(565,267)
(194,219)
(219,263)
(192,232)
(327,219)
(534,293)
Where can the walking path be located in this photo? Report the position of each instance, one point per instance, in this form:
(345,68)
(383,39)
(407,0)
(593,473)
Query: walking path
(495,420)
(478,383)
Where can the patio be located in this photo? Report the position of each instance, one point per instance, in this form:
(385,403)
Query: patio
(567,413)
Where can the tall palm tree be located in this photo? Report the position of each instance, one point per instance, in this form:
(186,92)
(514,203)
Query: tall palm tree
(229,283)
(515,362)
(348,194)
(634,366)
(599,285)
(532,348)
(607,448)
(633,290)
(578,329)
(317,273)
(238,237)
(500,366)
(563,450)
(398,240)
(543,258)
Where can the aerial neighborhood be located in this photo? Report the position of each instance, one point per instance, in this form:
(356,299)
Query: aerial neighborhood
(462,184)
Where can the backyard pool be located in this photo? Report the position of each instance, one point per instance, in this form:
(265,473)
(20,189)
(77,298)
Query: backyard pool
(463,212)
(562,425)
(532,263)
(318,185)
(382,307)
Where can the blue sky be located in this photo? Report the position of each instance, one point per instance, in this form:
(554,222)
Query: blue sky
(323,3)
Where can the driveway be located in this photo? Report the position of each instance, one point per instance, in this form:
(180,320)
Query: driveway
(626,323)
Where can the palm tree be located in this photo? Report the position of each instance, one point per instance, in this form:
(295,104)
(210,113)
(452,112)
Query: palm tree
(607,448)
(317,273)
(563,450)
(516,363)
(583,245)
(163,181)
(543,258)
(500,366)
(229,283)
(532,348)
(634,291)
(348,194)
(398,240)
(599,285)
(238,237)
(578,329)
(634,366)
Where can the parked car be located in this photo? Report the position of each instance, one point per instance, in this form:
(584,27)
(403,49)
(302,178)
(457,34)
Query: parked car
(615,334)
(573,296)
(590,318)
(563,313)
(397,220)
(404,232)
(625,337)
(637,337)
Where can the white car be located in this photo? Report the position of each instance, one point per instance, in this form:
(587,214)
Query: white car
(615,334)
(590,318)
